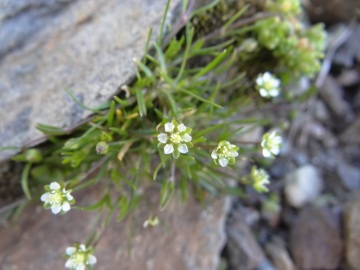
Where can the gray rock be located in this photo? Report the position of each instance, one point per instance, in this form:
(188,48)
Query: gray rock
(352,231)
(243,250)
(315,239)
(303,185)
(86,46)
(189,237)
(279,255)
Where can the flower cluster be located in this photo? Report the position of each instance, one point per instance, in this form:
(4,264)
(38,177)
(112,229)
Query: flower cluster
(268,85)
(175,139)
(79,257)
(225,153)
(259,179)
(270,144)
(57,198)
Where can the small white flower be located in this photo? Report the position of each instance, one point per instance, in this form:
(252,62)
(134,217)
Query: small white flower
(57,198)
(270,144)
(152,221)
(268,85)
(225,153)
(260,178)
(79,257)
(176,139)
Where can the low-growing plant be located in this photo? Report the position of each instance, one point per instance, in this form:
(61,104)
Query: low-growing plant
(179,125)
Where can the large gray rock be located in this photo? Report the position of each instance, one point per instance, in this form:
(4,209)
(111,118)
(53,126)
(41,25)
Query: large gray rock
(189,237)
(84,45)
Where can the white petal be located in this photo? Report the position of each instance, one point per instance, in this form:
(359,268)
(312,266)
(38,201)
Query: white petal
(263,92)
(181,128)
(70,263)
(213,154)
(259,81)
(169,127)
(223,162)
(182,148)
(55,186)
(234,154)
(45,197)
(69,197)
(168,149)
(267,76)
(266,153)
(80,267)
(55,209)
(70,250)
(274,92)
(82,247)
(91,259)
(186,138)
(162,137)
(65,206)
(275,150)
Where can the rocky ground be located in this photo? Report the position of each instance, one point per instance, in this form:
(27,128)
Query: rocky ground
(311,218)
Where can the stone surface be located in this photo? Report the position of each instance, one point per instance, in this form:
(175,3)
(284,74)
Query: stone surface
(189,237)
(315,239)
(243,250)
(352,231)
(279,256)
(331,11)
(84,45)
(303,185)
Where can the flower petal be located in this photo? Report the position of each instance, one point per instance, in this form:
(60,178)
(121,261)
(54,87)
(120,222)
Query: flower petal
(91,259)
(266,153)
(214,154)
(168,149)
(70,250)
(186,138)
(182,148)
(55,208)
(162,137)
(80,267)
(223,162)
(181,128)
(65,206)
(70,263)
(45,197)
(169,127)
(55,186)
(69,197)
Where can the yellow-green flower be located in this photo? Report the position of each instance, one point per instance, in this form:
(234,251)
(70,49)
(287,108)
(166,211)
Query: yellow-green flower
(175,139)
(79,257)
(270,144)
(260,178)
(225,153)
(57,198)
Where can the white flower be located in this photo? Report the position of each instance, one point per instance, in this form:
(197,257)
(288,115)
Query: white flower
(57,198)
(270,144)
(79,257)
(260,178)
(268,85)
(152,221)
(225,153)
(176,139)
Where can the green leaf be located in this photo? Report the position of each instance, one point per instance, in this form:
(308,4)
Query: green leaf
(167,192)
(78,102)
(213,64)
(141,102)
(162,27)
(111,114)
(24,180)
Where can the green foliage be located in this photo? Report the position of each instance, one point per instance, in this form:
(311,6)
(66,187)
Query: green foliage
(202,82)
